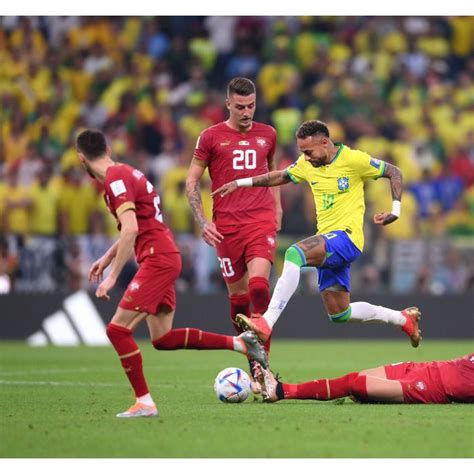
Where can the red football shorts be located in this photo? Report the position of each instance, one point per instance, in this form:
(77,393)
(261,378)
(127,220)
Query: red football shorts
(154,284)
(242,243)
(421,382)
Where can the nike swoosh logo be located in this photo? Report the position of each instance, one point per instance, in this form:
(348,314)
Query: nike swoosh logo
(313,183)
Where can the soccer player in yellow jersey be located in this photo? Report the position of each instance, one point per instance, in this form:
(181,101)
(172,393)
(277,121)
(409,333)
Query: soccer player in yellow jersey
(336,175)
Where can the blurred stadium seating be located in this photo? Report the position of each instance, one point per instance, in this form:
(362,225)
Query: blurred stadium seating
(399,88)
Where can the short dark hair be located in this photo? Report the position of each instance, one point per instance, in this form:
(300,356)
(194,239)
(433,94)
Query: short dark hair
(241,86)
(311,128)
(91,143)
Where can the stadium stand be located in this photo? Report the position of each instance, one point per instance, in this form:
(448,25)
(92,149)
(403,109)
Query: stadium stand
(399,88)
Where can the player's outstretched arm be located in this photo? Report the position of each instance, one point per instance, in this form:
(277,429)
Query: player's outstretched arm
(273,178)
(396,183)
(193,192)
(125,243)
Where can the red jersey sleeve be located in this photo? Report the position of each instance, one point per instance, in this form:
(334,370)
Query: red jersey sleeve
(203,150)
(120,189)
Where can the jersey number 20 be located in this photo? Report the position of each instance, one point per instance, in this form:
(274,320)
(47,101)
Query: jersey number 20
(244,159)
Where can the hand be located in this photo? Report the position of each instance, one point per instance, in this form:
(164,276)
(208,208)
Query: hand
(210,234)
(225,189)
(97,269)
(105,287)
(384,218)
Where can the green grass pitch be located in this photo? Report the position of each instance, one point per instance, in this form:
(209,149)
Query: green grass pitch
(61,403)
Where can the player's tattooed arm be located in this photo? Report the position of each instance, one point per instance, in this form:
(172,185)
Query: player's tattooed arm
(193,192)
(273,178)
(396,183)
(394,174)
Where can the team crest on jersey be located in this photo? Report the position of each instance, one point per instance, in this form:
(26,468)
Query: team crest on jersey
(134,286)
(343,184)
(420,385)
(244,143)
(261,142)
(375,163)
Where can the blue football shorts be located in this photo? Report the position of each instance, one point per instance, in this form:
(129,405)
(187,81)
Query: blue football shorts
(340,253)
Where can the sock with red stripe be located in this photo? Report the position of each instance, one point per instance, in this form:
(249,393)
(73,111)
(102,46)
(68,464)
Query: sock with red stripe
(321,389)
(239,304)
(192,338)
(130,357)
(259,290)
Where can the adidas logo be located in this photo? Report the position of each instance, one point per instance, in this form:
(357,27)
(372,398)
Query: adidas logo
(77,323)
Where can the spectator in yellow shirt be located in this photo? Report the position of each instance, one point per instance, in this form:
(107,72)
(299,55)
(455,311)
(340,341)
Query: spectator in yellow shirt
(76,203)
(44,209)
(17,205)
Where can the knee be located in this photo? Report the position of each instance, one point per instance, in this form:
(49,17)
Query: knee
(114,332)
(358,388)
(295,255)
(258,285)
(341,317)
(162,342)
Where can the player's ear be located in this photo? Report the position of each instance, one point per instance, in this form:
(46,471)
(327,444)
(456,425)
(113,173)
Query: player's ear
(108,150)
(227,103)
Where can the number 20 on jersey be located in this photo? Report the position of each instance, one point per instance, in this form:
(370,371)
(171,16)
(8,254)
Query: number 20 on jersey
(244,160)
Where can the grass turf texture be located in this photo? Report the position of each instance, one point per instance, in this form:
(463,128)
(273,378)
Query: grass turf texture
(61,402)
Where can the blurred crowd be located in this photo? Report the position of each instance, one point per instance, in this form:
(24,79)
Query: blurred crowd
(401,89)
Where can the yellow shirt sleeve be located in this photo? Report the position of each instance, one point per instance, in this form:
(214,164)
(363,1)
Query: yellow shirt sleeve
(296,171)
(368,167)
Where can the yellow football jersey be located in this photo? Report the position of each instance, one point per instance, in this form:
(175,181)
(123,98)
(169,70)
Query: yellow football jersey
(338,190)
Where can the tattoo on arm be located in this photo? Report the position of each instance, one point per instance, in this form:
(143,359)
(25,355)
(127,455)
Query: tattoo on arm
(273,178)
(396,181)
(310,243)
(193,192)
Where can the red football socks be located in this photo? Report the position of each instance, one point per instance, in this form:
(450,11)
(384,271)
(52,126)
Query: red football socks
(322,389)
(239,304)
(259,290)
(130,357)
(192,338)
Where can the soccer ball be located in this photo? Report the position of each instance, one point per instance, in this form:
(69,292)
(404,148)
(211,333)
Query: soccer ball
(232,385)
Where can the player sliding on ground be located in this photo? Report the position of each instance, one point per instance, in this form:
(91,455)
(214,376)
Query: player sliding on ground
(405,382)
(151,295)
(336,175)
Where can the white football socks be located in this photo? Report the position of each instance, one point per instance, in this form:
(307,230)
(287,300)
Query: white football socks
(239,345)
(146,400)
(369,313)
(284,289)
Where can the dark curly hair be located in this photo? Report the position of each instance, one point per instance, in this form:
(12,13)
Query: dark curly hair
(311,128)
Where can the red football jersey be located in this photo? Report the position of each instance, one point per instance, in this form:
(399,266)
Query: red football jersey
(457,376)
(127,188)
(232,155)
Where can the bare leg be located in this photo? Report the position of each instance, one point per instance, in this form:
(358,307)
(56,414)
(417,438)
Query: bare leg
(383,390)
(259,267)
